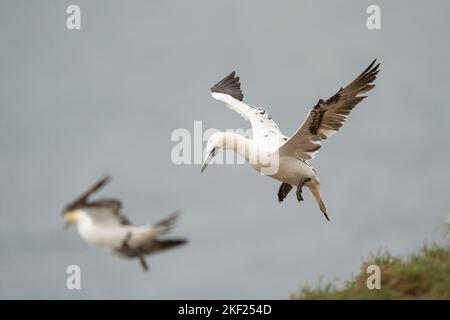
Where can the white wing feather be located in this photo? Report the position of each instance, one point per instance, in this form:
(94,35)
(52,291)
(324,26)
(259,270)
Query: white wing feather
(265,131)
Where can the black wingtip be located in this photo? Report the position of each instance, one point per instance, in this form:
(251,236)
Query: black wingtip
(375,68)
(371,67)
(81,200)
(106,178)
(229,85)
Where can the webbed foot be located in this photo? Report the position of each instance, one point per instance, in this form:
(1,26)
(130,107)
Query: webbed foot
(283,191)
(299,188)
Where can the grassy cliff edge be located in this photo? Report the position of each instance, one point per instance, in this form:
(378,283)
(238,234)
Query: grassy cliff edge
(424,275)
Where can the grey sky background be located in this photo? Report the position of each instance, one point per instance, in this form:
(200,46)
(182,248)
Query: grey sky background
(75,105)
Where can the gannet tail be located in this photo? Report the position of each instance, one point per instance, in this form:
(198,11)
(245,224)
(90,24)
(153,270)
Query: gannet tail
(165,225)
(156,246)
(314,187)
(162,245)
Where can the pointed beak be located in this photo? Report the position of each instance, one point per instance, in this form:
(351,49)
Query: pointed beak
(71,217)
(67,225)
(206,161)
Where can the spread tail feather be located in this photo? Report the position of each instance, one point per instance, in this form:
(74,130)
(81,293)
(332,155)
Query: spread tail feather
(322,207)
(161,245)
(165,225)
(314,187)
(154,246)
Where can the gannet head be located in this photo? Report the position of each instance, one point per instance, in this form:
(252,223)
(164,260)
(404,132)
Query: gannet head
(214,144)
(73,216)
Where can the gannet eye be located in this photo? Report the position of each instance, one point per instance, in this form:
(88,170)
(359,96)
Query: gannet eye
(213,151)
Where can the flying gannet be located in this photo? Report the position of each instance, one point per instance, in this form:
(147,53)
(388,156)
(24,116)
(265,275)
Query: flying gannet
(290,154)
(101,223)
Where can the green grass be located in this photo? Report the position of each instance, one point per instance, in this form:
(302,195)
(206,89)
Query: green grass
(424,275)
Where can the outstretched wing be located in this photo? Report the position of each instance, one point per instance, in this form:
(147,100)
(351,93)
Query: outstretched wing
(83,198)
(265,130)
(102,211)
(107,212)
(328,116)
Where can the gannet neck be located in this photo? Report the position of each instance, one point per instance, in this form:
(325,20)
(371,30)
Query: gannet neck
(84,225)
(241,145)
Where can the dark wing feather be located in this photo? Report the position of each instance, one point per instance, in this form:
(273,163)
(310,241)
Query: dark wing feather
(161,245)
(153,246)
(83,198)
(229,85)
(111,206)
(328,116)
(101,210)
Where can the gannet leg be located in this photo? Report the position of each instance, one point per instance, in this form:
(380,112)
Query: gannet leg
(299,188)
(283,191)
(125,241)
(143,262)
(134,252)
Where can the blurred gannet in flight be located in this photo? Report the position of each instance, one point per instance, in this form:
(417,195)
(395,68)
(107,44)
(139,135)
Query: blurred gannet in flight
(290,155)
(101,223)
